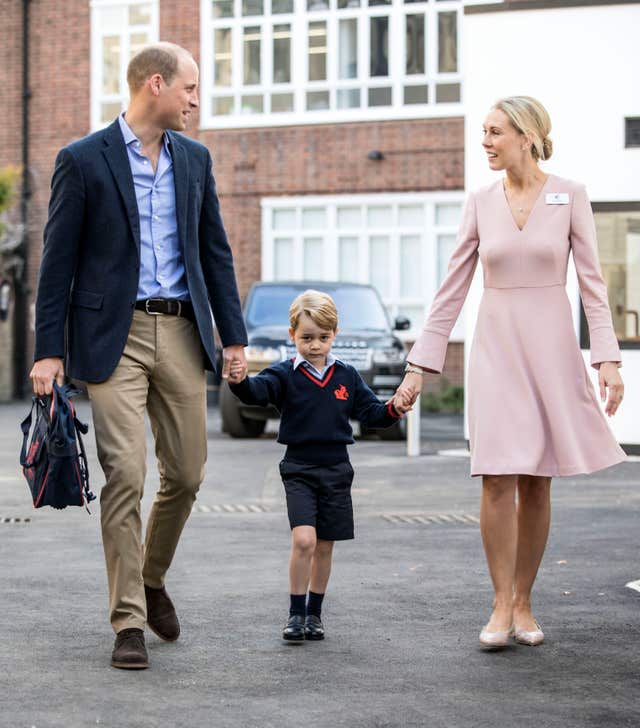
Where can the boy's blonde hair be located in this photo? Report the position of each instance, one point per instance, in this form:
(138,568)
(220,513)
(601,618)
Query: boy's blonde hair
(318,306)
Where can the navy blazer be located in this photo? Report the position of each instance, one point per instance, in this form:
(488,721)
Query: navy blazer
(90,265)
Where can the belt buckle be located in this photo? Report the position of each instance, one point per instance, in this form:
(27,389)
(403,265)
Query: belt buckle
(179,302)
(146,307)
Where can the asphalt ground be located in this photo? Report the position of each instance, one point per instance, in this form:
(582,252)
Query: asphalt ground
(404,608)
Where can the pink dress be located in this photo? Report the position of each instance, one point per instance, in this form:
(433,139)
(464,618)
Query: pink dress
(531,406)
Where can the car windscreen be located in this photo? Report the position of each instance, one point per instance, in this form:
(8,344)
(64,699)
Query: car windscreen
(358,308)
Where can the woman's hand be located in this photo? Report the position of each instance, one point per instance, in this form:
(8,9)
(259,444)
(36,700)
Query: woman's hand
(409,389)
(609,376)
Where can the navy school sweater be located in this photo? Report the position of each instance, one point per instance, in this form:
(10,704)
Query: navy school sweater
(316,412)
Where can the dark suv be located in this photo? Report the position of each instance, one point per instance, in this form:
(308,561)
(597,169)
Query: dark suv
(365,340)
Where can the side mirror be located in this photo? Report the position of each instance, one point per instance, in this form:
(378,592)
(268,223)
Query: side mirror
(402,323)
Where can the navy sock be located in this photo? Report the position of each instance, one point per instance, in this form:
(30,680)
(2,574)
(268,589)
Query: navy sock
(314,605)
(297,604)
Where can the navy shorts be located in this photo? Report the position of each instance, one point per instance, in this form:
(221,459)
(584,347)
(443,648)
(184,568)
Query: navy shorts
(320,496)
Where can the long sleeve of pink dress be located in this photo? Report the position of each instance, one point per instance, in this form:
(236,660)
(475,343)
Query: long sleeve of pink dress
(531,406)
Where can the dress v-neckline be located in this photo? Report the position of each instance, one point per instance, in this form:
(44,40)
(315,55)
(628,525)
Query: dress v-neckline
(533,207)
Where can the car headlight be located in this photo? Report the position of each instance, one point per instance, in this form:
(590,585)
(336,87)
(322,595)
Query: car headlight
(388,356)
(259,357)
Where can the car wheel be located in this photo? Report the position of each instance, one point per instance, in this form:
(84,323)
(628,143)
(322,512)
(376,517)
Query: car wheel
(233,423)
(397,431)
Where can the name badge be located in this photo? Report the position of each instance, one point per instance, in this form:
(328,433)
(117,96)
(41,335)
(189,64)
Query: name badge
(557,198)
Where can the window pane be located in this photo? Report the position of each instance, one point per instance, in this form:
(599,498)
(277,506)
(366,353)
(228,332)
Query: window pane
(447,42)
(108,112)
(317,51)
(379,48)
(379,2)
(348,98)
(348,48)
(137,41)
(281,53)
(317,100)
(111,20)
(222,57)
(349,217)
(447,93)
(348,4)
(252,104)
(415,45)
(446,246)
(139,14)
(222,105)
(411,216)
(252,7)
(284,219)
(410,266)
(348,259)
(222,8)
(251,54)
(379,216)
(448,215)
(312,258)
(317,4)
(379,269)
(314,217)
(281,102)
(282,259)
(416,94)
(379,97)
(111,64)
(619,252)
(281,6)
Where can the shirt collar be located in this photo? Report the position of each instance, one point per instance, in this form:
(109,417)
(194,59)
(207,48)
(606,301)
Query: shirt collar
(130,137)
(301,360)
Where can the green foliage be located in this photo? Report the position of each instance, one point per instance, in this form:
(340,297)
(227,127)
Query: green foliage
(8,179)
(449,398)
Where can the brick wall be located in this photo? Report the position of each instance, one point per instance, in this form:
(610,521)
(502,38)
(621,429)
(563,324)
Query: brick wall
(249,163)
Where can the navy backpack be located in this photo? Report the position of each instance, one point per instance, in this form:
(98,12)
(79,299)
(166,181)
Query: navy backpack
(55,462)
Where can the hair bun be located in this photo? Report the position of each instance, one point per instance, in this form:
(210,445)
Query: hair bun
(547,148)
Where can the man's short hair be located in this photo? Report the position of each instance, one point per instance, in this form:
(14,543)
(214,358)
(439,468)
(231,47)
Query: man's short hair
(162,58)
(318,306)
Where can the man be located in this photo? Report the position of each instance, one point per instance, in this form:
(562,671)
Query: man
(135,261)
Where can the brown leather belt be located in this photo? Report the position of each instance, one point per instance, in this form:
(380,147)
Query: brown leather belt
(166,306)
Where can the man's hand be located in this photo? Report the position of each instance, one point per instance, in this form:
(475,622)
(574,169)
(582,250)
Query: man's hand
(234,355)
(43,374)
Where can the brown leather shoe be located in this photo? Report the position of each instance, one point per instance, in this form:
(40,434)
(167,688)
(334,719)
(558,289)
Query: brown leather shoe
(129,652)
(161,614)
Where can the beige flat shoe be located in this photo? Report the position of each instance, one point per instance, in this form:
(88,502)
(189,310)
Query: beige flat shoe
(495,640)
(531,638)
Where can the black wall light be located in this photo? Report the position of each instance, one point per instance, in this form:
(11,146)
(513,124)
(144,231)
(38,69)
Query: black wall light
(376,155)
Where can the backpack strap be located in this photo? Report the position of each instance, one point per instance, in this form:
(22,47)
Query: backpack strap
(25,426)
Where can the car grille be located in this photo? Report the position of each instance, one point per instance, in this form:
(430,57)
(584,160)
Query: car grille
(360,358)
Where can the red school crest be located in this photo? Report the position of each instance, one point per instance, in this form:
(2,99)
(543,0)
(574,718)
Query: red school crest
(341,392)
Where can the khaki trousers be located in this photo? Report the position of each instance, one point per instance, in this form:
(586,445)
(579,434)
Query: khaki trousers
(161,371)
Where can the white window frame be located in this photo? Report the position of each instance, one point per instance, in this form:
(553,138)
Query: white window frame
(299,20)
(97,97)
(330,203)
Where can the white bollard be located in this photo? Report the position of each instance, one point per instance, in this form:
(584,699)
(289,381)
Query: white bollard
(413,430)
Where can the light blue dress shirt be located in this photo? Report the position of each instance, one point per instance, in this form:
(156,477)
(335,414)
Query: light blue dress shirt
(162,273)
(317,373)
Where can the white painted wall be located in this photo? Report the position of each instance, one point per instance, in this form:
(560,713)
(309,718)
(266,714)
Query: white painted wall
(582,63)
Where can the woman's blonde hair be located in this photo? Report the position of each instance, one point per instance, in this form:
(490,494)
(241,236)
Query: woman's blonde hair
(318,306)
(528,116)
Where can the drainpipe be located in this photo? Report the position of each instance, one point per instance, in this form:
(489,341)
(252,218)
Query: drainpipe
(21,291)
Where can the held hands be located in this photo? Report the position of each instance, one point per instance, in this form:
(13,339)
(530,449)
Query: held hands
(44,373)
(407,393)
(609,376)
(234,364)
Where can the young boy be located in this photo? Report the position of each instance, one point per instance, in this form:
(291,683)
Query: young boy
(316,395)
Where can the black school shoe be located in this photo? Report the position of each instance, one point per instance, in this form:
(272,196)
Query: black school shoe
(294,630)
(313,629)
(129,651)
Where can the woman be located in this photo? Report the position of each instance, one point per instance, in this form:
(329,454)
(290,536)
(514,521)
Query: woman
(533,413)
